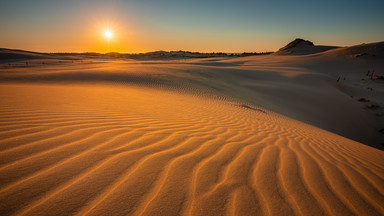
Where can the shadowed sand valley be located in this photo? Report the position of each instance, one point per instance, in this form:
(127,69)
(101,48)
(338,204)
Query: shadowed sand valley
(279,134)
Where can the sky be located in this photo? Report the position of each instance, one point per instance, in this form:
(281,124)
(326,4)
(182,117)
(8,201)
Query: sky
(193,25)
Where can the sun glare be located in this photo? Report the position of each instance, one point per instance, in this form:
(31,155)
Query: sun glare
(108,34)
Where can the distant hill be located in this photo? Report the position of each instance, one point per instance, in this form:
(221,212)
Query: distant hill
(21,54)
(302,47)
(305,47)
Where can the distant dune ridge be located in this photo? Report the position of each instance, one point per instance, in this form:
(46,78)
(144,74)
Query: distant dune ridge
(302,47)
(296,47)
(297,132)
(8,54)
(362,50)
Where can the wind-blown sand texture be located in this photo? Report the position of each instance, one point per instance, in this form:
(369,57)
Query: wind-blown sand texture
(189,137)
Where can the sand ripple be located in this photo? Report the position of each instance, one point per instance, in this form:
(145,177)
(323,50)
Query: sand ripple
(104,150)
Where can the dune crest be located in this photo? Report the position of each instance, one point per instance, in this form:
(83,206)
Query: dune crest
(302,47)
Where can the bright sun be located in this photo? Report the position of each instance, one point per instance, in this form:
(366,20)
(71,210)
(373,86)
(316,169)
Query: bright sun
(108,34)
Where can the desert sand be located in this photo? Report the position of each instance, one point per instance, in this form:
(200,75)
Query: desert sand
(258,135)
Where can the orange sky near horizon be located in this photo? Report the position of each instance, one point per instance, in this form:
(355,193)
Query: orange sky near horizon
(145,26)
(132,39)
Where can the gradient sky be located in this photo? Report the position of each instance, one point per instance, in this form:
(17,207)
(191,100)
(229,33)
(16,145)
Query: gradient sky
(195,25)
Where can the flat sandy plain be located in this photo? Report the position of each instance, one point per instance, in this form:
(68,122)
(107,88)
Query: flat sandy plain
(260,135)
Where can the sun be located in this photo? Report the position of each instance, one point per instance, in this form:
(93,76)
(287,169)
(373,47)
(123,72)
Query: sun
(108,34)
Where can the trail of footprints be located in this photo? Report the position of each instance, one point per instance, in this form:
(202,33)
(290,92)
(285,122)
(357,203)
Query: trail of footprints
(219,159)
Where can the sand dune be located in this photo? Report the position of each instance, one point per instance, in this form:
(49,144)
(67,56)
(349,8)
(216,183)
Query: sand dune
(12,54)
(302,47)
(186,137)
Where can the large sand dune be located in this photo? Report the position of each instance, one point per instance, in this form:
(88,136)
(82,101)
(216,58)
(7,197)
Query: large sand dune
(221,136)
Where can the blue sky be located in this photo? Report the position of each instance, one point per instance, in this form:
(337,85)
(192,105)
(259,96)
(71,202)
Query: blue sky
(147,25)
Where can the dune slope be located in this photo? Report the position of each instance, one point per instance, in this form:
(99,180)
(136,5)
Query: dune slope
(110,150)
(134,140)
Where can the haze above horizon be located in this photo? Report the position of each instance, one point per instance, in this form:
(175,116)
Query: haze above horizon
(205,26)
